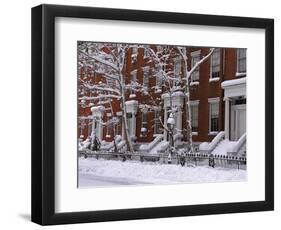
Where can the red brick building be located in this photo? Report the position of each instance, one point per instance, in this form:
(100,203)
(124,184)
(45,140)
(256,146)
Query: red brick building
(217,97)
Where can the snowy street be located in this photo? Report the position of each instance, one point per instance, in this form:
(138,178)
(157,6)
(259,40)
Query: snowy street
(93,172)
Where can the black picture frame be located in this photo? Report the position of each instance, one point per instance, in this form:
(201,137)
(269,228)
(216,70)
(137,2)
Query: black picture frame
(43,114)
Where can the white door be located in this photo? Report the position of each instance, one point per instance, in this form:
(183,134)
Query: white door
(238,121)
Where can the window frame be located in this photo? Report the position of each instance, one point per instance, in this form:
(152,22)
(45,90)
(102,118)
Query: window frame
(217,50)
(238,59)
(194,104)
(212,102)
(157,123)
(195,54)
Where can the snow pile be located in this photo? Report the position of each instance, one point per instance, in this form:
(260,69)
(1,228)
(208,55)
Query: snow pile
(83,145)
(99,108)
(194,83)
(92,172)
(214,79)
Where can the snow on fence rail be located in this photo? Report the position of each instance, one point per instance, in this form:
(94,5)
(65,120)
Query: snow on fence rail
(196,159)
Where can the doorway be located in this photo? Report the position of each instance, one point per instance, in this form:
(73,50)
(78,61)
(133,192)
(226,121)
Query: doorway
(238,121)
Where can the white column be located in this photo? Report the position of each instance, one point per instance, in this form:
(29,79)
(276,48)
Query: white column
(226,118)
(133,125)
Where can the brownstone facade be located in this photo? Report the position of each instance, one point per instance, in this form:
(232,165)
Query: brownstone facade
(205,89)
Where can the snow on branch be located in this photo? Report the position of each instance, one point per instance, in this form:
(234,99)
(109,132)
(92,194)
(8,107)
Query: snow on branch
(201,61)
(99,59)
(100,96)
(102,88)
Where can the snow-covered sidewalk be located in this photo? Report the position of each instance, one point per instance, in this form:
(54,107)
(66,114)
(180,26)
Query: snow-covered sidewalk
(93,172)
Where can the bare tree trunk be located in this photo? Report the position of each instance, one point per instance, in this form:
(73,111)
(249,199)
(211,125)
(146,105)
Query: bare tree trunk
(187,75)
(113,128)
(188,119)
(125,122)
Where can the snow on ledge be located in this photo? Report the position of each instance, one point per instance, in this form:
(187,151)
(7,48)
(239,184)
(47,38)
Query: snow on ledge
(228,83)
(131,102)
(99,108)
(132,96)
(240,74)
(214,79)
(194,83)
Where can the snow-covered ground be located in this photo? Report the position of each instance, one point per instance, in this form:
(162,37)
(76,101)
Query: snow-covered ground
(93,172)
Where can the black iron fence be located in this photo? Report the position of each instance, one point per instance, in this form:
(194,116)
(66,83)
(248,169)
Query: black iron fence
(196,159)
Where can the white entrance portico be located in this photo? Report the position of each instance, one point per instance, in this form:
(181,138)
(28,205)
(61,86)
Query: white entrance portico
(235,108)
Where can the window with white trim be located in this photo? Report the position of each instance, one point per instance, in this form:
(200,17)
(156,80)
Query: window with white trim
(215,63)
(195,57)
(213,116)
(119,125)
(157,124)
(109,126)
(144,123)
(90,124)
(194,116)
(241,60)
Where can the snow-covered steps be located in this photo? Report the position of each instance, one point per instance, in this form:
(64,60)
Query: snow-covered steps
(161,147)
(220,146)
(121,145)
(110,145)
(223,147)
(239,148)
(148,147)
(206,147)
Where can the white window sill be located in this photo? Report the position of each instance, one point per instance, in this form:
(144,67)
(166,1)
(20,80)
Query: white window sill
(240,74)
(194,83)
(194,133)
(214,79)
(213,133)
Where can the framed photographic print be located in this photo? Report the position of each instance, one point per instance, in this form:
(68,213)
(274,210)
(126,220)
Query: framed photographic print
(143,114)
